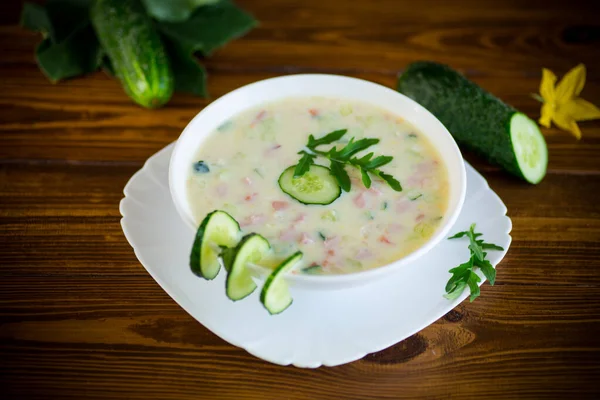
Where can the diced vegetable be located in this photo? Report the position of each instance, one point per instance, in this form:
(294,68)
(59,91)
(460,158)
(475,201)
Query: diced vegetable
(251,249)
(275,294)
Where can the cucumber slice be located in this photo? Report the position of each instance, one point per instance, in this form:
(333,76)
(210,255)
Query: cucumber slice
(251,249)
(218,229)
(477,120)
(530,148)
(275,294)
(316,186)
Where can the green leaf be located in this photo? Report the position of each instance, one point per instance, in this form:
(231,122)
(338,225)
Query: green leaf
(353,147)
(209,27)
(78,54)
(189,74)
(304,164)
(365,178)
(340,174)
(490,246)
(488,270)
(379,162)
(456,290)
(327,139)
(391,181)
(174,10)
(35,18)
(473,281)
(459,235)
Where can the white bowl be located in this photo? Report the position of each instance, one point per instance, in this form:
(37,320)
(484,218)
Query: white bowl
(308,85)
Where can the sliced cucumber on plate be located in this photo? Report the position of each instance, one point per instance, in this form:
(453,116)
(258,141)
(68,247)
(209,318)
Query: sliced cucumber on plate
(217,230)
(251,249)
(316,186)
(275,294)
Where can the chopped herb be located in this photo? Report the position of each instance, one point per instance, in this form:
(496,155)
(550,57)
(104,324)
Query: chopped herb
(257,170)
(438,218)
(384,206)
(370,215)
(346,156)
(329,215)
(412,135)
(225,126)
(201,167)
(322,236)
(464,275)
(312,269)
(415,196)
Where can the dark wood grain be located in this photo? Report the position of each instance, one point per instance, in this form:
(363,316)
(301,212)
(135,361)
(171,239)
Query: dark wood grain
(80,318)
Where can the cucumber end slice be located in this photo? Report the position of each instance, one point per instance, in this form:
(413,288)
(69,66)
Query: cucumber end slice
(275,294)
(251,249)
(529,147)
(218,229)
(316,186)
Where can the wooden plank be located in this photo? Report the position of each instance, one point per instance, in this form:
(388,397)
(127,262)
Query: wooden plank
(100,337)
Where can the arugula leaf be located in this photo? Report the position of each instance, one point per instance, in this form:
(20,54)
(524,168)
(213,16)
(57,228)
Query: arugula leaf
(391,181)
(340,174)
(327,139)
(365,177)
(464,275)
(379,162)
(209,27)
(35,18)
(352,148)
(304,164)
(173,10)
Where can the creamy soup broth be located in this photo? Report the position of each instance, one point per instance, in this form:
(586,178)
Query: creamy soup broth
(362,229)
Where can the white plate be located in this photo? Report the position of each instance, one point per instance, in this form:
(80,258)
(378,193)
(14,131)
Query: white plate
(320,328)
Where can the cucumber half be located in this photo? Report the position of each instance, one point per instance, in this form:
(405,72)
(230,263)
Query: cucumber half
(275,294)
(316,186)
(529,146)
(217,230)
(251,249)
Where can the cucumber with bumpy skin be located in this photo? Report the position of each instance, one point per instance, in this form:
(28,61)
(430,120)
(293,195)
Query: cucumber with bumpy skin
(135,50)
(477,120)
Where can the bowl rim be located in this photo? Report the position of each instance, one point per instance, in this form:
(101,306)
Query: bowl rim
(367,274)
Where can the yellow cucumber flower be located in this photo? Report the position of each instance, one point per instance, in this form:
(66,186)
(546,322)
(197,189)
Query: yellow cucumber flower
(561,104)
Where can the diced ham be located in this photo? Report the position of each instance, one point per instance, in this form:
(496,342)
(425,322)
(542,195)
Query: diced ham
(253,219)
(375,191)
(221,189)
(359,201)
(300,218)
(280,205)
(305,239)
(331,242)
(313,112)
(331,252)
(363,253)
(403,206)
(259,117)
(384,239)
(288,236)
(420,217)
(250,197)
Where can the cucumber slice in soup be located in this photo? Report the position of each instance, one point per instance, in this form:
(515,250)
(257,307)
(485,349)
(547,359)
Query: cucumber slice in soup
(316,186)
(218,229)
(251,249)
(275,294)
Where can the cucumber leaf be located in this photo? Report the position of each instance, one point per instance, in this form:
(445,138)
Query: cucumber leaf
(174,10)
(189,74)
(78,54)
(209,27)
(35,18)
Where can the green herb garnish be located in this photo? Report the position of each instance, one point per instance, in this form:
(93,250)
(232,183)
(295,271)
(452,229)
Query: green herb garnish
(367,165)
(464,275)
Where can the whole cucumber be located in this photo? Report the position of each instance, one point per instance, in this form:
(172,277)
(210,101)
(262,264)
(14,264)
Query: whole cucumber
(135,50)
(477,120)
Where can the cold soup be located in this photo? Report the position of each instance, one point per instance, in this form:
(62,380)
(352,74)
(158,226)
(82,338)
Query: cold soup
(239,166)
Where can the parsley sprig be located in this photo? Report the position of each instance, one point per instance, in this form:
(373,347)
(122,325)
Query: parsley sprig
(367,165)
(464,275)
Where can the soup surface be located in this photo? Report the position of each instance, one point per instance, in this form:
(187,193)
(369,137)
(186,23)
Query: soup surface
(364,228)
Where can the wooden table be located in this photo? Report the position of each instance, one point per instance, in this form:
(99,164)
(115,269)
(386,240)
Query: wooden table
(80,317)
